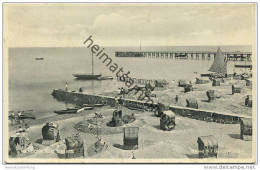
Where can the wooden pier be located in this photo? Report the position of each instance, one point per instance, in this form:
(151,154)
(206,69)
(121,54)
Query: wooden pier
(143,81)
(191,55)
(205,115)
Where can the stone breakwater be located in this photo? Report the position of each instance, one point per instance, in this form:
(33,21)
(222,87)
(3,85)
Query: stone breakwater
(80,98)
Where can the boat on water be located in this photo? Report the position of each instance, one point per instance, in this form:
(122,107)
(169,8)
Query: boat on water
(219,67)
(182,56)
(87,76)
(243,66)
(39,58)
(90,76)
(205,75)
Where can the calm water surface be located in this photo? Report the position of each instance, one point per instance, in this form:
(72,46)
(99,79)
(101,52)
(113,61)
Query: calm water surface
(31,81)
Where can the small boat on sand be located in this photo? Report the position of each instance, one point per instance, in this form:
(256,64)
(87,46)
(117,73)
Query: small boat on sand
(67,111)
(72,110)
(134,108)
(88,108)
(22,115)
(27,116)
(93,105)
(205,75)
(105,78)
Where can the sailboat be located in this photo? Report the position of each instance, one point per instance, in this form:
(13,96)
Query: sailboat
(219,65)
(91,76)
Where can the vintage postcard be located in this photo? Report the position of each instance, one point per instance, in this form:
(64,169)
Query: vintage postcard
(129,82)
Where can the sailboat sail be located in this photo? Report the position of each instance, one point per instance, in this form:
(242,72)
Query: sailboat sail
(220,64)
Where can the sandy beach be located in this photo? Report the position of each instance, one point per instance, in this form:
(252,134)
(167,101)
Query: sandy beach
(178,143)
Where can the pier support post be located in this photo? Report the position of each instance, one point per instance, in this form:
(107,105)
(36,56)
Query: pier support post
(197,56)
(249,57)
(208,56)
(241,57)
(203,56)
(235,57)
(171,55)
(166,55)
(176,54)
(228,57)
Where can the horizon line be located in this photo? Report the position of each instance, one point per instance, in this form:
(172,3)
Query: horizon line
(128,46)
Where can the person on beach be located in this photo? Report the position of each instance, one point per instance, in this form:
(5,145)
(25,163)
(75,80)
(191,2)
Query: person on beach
(133,155)
(116,101)
(176,99)
(12,117)
(155,105)
(98,115)
(66,86)
(80,90)
(26,126)
(19,115)
(117,104)
(122,91)
(121,102)
(20,130)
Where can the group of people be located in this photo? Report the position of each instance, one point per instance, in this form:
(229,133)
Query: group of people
(146,92)
(66,88)
(16,117)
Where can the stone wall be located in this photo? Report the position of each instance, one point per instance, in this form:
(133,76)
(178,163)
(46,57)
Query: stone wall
(206,115)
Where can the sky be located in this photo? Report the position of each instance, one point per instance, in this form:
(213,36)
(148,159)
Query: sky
(69,25)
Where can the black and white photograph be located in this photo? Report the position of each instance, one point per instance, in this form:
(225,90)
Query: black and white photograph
(129,82)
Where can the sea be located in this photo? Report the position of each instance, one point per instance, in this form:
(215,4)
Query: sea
(31,81)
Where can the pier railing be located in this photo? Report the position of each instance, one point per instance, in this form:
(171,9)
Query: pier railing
(192,55)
